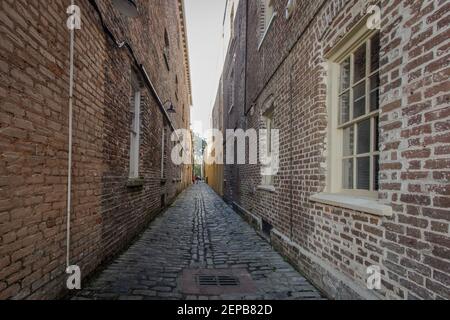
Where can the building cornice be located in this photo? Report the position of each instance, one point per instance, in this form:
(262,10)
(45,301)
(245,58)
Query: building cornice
(185,44)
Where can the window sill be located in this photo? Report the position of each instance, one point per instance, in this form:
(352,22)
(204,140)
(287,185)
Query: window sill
(267,30)
(362,204)
(135,183)
(267,188)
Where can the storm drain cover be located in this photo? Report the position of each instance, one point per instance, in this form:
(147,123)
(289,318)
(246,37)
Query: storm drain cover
(216,282)
(221,281)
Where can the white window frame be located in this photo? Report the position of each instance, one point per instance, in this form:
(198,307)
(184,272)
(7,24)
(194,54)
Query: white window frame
(135,131)
(268,16)
(232,17)
(347,46)
(166,50)
(268,181)
(163,151)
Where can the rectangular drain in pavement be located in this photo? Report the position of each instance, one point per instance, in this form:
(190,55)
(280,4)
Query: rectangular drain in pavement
(216,282)
(221,281)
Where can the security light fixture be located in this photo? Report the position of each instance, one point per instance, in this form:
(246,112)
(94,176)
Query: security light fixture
(171,108)
(126,7)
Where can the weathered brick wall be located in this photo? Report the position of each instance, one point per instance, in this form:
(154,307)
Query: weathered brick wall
(34,113)
(331,245)
(34,61)
(234,73)
(415,174)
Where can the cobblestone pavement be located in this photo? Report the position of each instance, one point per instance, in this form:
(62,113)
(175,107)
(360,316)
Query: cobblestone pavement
(199,231)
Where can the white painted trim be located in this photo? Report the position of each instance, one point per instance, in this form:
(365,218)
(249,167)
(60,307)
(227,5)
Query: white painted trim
(163,150)
(362,204)
(70,146)
(267,188)
(267,29)
(135,137)
(352,39)
(356,37)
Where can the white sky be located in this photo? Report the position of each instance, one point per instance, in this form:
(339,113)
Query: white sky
(204,20)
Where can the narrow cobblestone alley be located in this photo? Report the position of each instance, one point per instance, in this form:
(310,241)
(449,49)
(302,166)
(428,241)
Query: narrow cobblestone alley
(198,232)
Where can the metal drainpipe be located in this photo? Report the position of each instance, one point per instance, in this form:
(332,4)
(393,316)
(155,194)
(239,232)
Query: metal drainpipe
(291,155)
(69,174)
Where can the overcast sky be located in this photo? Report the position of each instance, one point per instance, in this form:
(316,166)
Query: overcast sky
(204,25)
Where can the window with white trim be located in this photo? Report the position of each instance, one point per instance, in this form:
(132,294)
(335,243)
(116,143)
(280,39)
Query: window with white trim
(354,107)
(268,180)
(232,91)
(232,22)
(166,52)
(266,15)
(135,128)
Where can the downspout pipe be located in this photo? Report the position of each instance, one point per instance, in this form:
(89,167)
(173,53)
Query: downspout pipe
(69,165)
(139,66)
(291,155)
(149,85)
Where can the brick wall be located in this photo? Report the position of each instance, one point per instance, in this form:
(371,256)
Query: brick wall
(334,246)
(233,102)
(34,61)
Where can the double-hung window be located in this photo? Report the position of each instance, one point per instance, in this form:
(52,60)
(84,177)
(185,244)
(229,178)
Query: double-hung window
(266,15)
(166,52)
(354,108)
(269,12)
(135,130)
(232,22)
(358,116)
(268,178)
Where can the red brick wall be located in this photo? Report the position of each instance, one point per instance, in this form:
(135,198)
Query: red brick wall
(414,175)
(331,245)
(34,64)
(234,72)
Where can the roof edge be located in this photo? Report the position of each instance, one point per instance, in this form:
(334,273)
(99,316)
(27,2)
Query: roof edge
(184,36)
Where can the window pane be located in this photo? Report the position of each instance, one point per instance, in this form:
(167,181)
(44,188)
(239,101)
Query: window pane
(345,75)
(133,121)
(347,174)
(376,169)
(375,92)
(364,137)
(377,134)
(344,108)
(375,53)
(360,64)
(349,141)
(375,81)
(359,94)
(269,136)
(363,173)
(269,11)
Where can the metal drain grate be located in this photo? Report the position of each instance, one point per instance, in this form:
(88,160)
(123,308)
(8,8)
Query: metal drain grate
(219,281)
(213,282)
